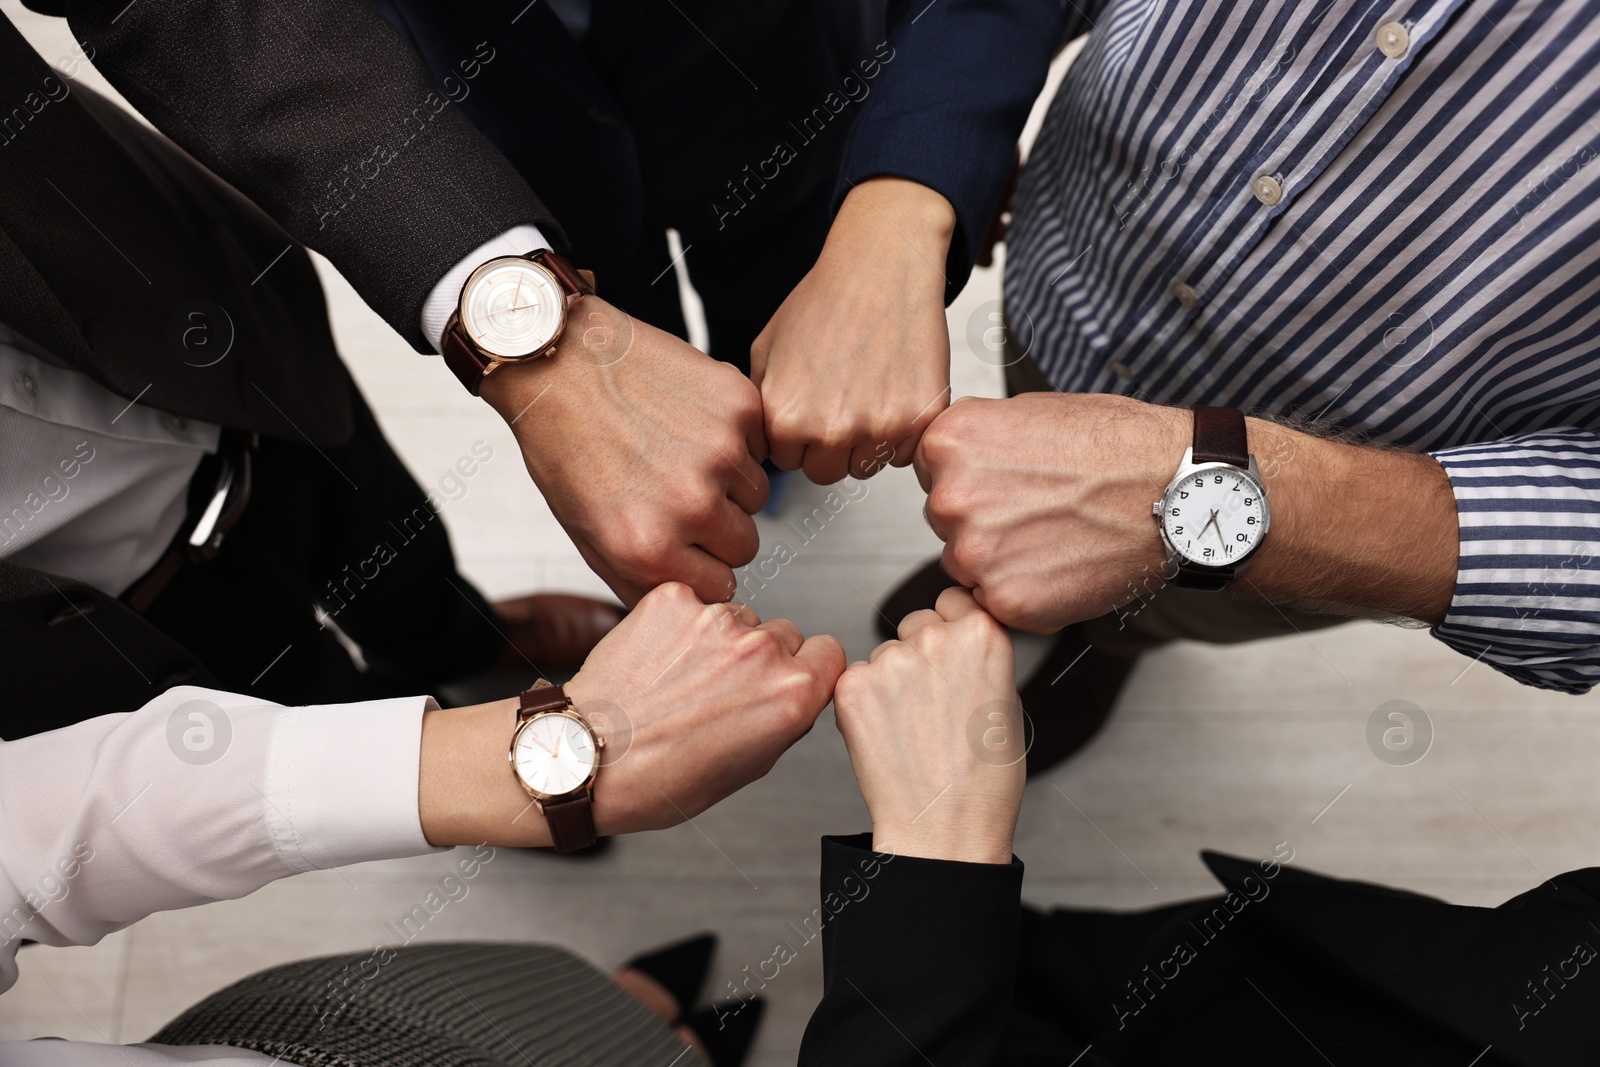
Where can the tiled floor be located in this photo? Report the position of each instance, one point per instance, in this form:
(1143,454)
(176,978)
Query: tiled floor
(1234,749)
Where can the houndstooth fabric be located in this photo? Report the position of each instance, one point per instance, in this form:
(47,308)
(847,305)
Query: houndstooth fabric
(449,1005)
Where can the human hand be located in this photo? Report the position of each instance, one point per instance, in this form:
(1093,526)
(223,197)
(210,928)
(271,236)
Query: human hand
(1043,500)
(647,451)
(856,362)
(694,702)
(934,728)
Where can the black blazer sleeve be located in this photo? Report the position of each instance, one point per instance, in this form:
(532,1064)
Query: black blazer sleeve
(952,100)
(321,114)
(918,959)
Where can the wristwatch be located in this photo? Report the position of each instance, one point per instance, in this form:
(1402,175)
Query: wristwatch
(1214,515)
(555,755)
(512,308)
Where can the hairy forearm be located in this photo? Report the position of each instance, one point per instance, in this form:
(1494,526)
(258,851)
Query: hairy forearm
(1356,530)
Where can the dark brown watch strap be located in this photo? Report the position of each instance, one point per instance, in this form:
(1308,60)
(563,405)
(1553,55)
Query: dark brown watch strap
(574,281)
(571,822)
(542,696)
(1220,437)
(463,360)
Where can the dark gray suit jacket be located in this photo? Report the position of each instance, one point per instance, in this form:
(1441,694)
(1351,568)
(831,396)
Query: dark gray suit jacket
(315,111)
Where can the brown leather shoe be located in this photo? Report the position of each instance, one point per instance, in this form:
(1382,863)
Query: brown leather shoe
(553,631)
(1070,697)
(920,590)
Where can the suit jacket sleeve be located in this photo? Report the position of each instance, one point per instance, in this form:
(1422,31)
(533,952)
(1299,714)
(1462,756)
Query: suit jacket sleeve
(952,100)
(918,959)
(320,113)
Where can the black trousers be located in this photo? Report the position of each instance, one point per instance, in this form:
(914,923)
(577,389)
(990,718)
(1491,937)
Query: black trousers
(741,275)
(345,528)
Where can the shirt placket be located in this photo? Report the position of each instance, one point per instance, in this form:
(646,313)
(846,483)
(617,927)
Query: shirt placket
(1297,152)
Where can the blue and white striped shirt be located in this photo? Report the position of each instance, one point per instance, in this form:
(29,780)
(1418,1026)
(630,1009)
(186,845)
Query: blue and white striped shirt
(1380,215)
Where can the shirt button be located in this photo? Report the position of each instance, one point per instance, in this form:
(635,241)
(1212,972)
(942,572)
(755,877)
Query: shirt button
(1186,294)
(26,383)
(1393,40)
(1268,189)
(175,423)
(1120,369)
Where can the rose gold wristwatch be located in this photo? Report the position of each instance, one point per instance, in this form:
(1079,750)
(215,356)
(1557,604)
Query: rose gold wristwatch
(555,755)
(511,309)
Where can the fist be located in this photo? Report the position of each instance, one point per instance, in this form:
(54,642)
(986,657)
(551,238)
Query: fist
(695,701)
(935,733)
(1043,500)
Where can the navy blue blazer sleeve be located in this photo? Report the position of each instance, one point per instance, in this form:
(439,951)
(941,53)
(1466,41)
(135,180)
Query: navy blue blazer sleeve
(952,100)
(918,958)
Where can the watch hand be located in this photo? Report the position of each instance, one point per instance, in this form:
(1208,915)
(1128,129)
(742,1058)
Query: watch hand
(1212,522)
(534,738)
(555,754)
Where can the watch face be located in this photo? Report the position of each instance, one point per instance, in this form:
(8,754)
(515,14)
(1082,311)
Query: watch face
(511,307)
(554,754)
(1214,515)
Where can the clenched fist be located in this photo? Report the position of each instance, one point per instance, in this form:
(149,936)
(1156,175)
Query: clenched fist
(647,451)
(935,733)
(1043,500)
(856,362)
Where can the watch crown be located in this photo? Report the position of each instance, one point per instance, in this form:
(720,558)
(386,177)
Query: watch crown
(1155,509)
(599,742)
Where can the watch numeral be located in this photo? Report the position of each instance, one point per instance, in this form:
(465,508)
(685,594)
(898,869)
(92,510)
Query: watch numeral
(1176,530)
(1251,519)
(1219,479)
(1240,537)
(1249,500)
(1173,512)
(1199,483)
(1211,552)
(1184,493)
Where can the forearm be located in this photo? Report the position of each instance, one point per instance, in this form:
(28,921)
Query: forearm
(1356,530)
(466,791)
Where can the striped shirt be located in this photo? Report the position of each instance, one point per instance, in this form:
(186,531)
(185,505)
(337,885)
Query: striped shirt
(1378,215)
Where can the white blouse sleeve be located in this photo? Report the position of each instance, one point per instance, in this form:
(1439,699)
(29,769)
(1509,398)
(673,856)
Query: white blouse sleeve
(197,796)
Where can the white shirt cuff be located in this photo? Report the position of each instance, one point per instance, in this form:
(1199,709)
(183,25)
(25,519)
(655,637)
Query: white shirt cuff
(342,783)
(446,293)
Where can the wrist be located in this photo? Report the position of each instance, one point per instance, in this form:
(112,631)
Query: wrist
(586,356)
(466,791)
(979,837)
(1355,530)
(895,217)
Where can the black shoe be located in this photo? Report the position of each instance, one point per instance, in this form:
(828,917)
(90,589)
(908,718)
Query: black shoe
(920,590)
(679,968)
(727,1031)
(1070,697)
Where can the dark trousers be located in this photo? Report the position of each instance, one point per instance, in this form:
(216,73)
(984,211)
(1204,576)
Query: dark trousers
(741,275)
(348,529)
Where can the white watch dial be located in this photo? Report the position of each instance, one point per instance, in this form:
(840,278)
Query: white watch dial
(511,307)
(1214,516)
(554,754)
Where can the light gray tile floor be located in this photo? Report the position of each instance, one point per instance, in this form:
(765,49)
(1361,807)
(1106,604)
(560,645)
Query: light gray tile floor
(1234,749)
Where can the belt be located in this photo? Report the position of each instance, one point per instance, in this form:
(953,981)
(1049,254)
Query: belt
(218,493)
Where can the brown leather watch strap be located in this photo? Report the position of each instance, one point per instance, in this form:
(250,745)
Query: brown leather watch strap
(571,822)
(1220,437)
(462,359)
(539,698)
(571,279)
